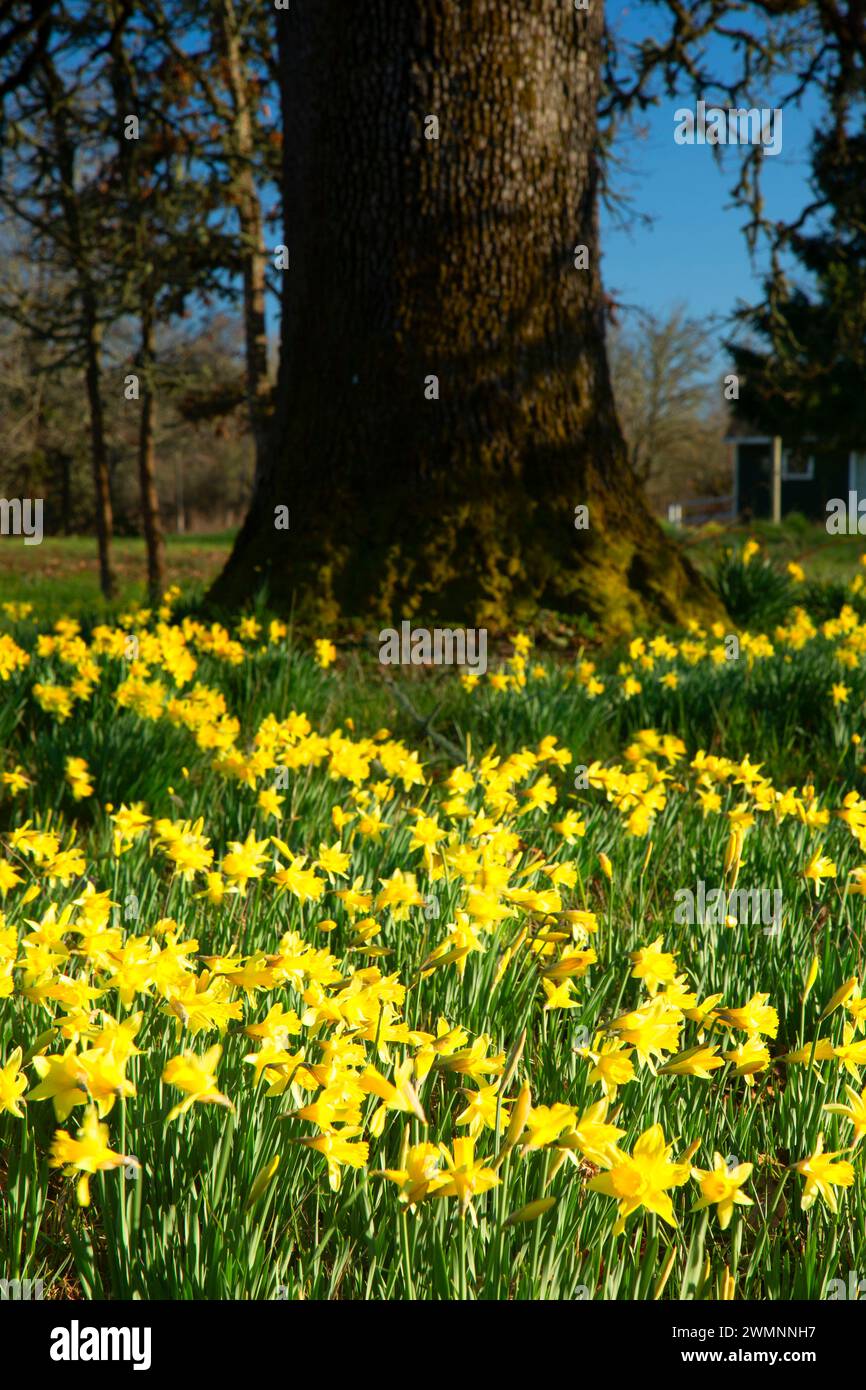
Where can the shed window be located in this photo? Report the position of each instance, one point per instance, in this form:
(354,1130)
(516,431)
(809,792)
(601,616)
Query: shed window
(797,467)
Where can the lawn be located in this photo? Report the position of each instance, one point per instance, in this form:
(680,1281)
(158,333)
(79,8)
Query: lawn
(825,557)
(61,575)
(541,983)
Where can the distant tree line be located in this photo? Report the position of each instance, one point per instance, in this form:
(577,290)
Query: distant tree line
(138,160)
(203,451)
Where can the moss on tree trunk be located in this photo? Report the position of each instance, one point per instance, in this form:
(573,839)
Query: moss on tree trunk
(451,257)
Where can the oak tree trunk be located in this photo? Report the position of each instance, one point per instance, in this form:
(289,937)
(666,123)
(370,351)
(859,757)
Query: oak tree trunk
(454,257)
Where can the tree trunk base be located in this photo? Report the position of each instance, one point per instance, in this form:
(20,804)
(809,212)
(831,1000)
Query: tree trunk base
(490,564)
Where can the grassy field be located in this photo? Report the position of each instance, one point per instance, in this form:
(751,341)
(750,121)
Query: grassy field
(825,557)
(541,983)
(61,575)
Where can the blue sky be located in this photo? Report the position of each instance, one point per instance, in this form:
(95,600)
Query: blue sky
(694,251)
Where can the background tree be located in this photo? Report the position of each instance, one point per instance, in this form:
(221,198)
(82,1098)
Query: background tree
(160,188)
(803,362)
(224,70)
(244,141)
(25,30)
(671,411)
(78,235)
(202,445)
(37,456)
(778,52)
(127,170)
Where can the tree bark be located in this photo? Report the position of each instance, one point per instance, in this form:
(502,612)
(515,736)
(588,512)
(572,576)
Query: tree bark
(151,519)
(453,257)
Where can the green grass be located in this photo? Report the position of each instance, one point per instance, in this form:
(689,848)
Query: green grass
(61,575)
(826,558)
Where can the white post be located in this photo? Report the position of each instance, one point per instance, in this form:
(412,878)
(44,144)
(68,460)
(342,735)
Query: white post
(777,478)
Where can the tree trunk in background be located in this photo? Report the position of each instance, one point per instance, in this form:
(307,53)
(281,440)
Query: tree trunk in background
(64,468)
(455,258)
(250,218)
(152,522)
(98,450)
(90,326)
